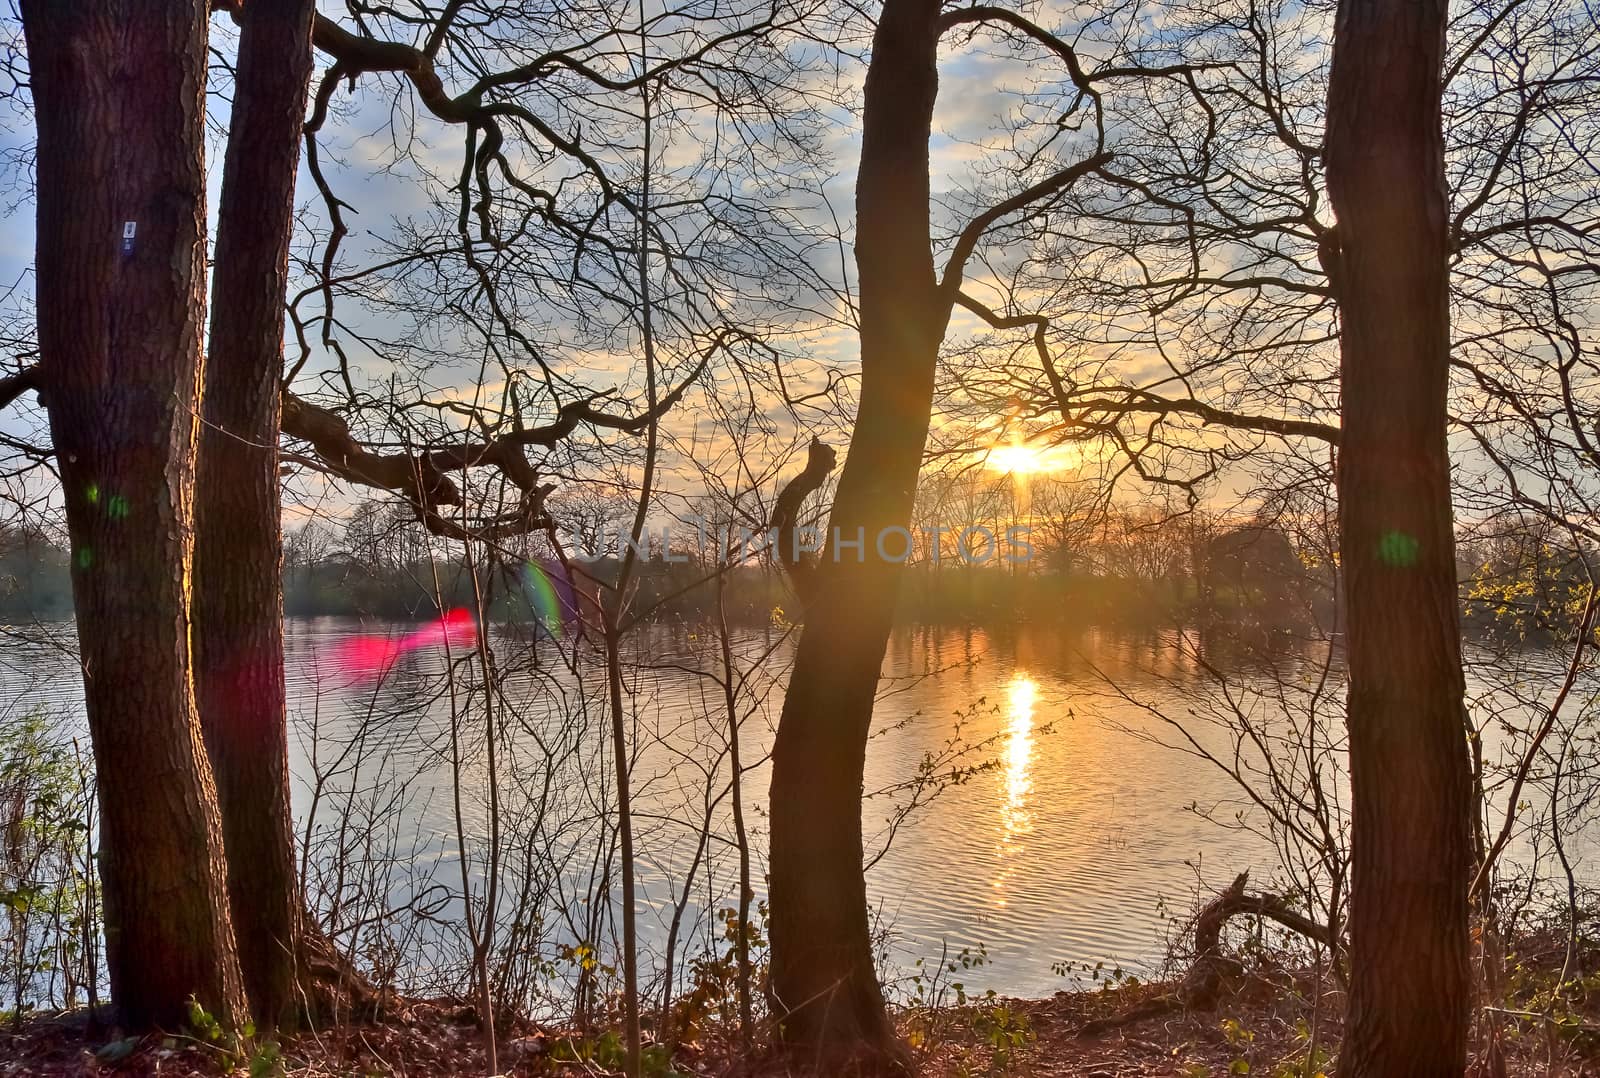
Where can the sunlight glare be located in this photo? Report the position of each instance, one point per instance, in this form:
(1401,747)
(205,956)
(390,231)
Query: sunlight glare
(1016,821)
(1018,459)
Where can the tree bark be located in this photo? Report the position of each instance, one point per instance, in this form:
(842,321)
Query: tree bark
(238,596)
(1410,775)
(823,979)
(119,100)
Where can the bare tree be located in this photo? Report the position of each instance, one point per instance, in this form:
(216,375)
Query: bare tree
(831,1006)
(118,95)
(238,575)
(1411,790)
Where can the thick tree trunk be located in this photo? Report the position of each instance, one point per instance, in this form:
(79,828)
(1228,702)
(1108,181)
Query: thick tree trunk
(1410,777)
(823,978)
(119,98)
(238,546)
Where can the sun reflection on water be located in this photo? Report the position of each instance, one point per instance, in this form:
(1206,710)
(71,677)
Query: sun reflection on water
(1016,818)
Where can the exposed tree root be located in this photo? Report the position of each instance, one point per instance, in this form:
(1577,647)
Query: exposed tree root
(1212,970)
(332,989)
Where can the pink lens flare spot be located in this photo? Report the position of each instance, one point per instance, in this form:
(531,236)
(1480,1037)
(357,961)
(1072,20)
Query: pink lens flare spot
(371,656)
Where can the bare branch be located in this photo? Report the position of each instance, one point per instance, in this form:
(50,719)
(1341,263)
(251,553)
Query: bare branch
(967,242)
(15,385)
(786,514)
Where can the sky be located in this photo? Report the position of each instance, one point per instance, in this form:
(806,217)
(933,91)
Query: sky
(978,95)
(984,93)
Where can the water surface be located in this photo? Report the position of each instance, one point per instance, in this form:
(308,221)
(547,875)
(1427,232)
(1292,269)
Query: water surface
(1062,844)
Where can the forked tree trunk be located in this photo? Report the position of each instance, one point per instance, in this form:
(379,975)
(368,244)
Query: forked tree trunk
(1410,776)
(824,983)
(238,546)
(119,99)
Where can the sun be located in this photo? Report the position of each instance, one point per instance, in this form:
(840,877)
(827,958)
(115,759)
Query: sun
(1018,459)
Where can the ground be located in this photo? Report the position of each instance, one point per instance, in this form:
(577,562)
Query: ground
(1258,1030)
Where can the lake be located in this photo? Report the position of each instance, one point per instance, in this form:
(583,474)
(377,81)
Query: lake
(1070,839)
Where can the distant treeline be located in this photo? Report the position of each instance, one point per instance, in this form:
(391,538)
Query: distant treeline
(1132,569)
(1522,583)
(754,594)
(35,581)
(1248,575)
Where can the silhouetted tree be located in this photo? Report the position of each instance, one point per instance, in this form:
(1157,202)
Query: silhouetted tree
(823,977)
(831,1008)
(1410,778)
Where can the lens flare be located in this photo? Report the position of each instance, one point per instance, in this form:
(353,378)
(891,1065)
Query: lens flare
(365,657)
(550,595)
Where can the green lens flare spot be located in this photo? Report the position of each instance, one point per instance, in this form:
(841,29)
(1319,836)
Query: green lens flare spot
(1398,549)
(91,493)
(117,507)
(85,557)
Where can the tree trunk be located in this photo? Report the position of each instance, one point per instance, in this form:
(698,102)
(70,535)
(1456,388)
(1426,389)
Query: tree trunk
(119,99)
(238,593)
(823,978)
(1410,779)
